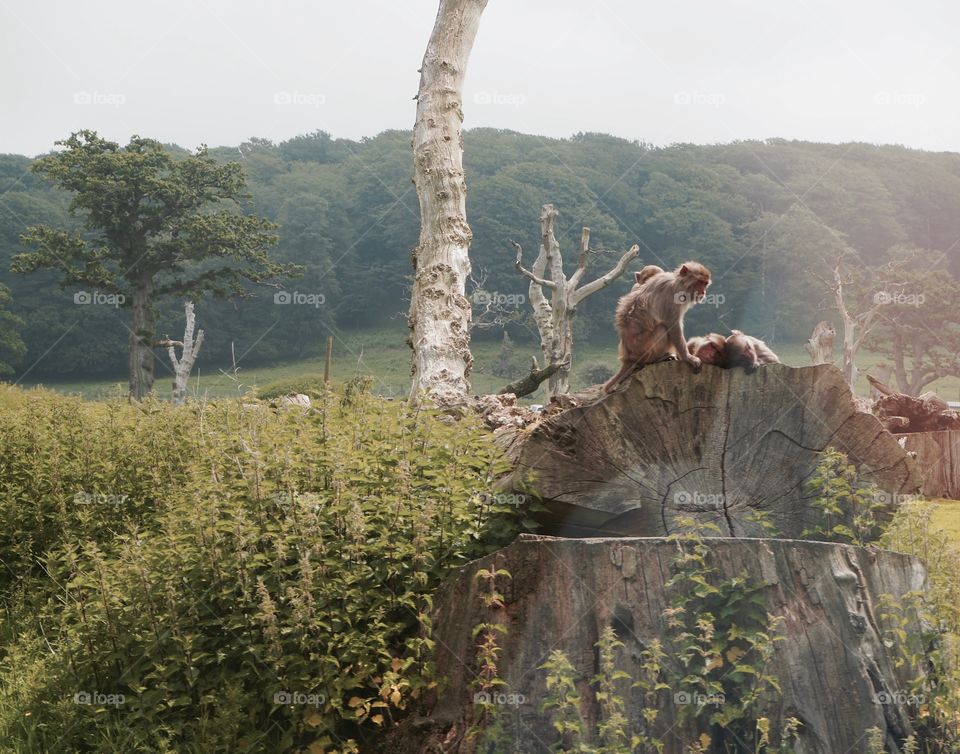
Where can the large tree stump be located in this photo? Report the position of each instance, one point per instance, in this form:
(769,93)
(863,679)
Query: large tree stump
(723,447)
(836,668)
(938,454)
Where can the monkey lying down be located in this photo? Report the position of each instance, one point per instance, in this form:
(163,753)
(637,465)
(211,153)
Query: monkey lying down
(736,350)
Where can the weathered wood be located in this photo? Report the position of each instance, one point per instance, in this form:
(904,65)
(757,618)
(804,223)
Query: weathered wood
(564,592)
(938,455)
(722,447)
(554,317)
(439,309)
(529,382)
(902,413)
(820,345)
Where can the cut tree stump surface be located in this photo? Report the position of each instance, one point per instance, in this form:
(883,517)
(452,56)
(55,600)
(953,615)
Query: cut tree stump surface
(564,592)
(720,446)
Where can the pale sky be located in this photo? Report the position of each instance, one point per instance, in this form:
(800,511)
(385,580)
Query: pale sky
(701,71)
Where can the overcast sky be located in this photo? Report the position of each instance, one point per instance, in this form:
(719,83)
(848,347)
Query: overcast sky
(680,71)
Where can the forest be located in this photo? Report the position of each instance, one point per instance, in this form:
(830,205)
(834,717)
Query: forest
(773,215)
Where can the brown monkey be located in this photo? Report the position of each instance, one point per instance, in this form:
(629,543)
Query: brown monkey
(710,349)
(645,274)
(748,352)
(649,319)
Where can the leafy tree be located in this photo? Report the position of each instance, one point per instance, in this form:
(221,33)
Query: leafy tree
(154,226)
(918,323)
(11,347)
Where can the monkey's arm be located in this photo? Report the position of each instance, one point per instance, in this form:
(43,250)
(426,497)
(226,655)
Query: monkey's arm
(679,342)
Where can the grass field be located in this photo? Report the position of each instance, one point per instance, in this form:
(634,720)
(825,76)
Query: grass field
(383,355)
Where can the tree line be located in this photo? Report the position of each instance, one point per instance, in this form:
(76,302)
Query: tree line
(769,218)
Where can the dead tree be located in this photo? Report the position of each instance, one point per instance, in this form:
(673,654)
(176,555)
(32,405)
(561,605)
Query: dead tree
(439,316)
(856,326)
(820,345)
(554,318)
(190,349)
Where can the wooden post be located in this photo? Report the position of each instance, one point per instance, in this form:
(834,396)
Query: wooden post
(326,362)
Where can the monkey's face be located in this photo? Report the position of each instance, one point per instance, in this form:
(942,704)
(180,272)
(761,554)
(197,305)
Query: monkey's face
(708,353)
(696,279)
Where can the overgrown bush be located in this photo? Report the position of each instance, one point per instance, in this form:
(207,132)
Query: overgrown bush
(273,596)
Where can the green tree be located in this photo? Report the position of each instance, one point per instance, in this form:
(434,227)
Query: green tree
(154,226)
(918,325)
(11,347)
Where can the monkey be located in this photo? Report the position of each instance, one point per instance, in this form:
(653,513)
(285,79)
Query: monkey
(645,274)
(649,319)
(710,349)
(748,352)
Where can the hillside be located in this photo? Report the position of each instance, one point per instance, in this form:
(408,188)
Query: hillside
(760,214)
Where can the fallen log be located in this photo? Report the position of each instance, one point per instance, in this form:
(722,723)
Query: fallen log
(727,449)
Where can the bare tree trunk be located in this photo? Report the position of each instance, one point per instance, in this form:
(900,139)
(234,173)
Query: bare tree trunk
(439,310)
(190,350)
(820,345)
(142,334)
(554,317)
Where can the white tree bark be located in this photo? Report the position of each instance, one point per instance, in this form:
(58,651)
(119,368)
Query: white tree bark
(820,345)
(554,317)
(439,309)
(856,328)
(190,349)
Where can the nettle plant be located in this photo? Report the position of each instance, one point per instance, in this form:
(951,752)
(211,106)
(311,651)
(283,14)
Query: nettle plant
(849,506)
(719,639)
(274,595)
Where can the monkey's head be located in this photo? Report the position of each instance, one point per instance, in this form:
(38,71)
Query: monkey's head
(645,274)
(710,349)
(693,279)
(741,351)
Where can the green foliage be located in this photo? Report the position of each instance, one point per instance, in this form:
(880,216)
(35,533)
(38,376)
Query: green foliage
(934,653)
(11,346)
(265,587)
(346,212)
(307,384)
(719,641)
(849,507)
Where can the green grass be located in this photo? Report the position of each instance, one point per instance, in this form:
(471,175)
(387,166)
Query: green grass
(946,516)
(384,355)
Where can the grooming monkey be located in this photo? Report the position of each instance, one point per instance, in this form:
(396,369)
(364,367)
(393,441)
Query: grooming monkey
(649,319)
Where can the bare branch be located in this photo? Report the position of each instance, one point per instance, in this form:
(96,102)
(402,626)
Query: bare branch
(526,273)
(602,282)
(582,260)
